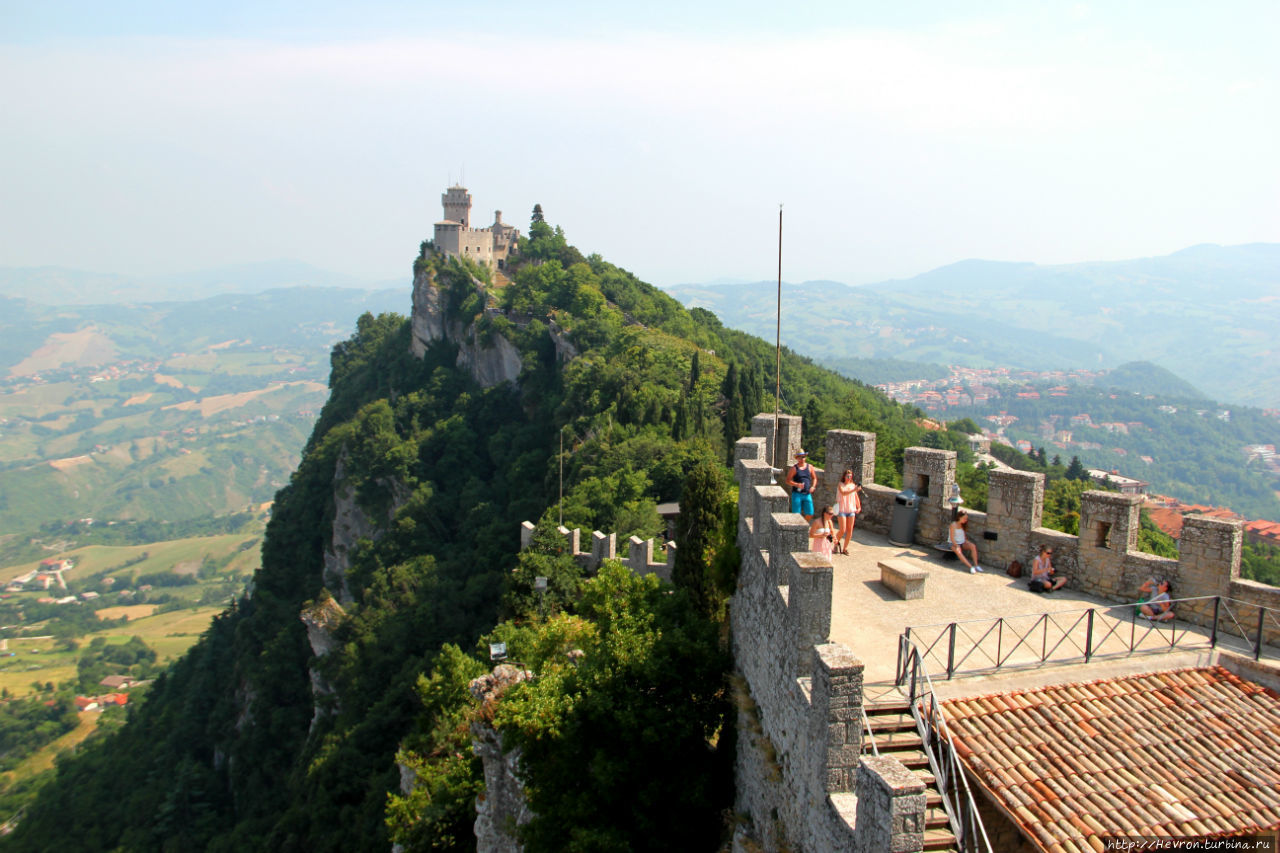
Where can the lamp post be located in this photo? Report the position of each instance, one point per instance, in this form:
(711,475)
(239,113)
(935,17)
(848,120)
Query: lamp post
(955,500)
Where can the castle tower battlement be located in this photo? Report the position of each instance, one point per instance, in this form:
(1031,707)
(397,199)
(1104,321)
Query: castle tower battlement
(490,246)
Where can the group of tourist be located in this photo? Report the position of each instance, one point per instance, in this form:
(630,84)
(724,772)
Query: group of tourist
(831,529)
(1155,605)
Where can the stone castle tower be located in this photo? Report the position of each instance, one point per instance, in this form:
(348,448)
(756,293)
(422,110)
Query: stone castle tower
(454,235)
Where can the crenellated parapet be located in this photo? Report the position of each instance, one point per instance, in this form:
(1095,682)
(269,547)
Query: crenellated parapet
(801,775)
(639,557)
(931,474)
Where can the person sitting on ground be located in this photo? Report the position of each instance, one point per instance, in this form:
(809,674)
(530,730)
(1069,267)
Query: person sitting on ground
(822,533)
(1042,579)
(802,478)
(958,539)
(1159,608)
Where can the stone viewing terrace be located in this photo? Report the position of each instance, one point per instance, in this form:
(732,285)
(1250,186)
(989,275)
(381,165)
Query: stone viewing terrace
(869,618)
(819,642)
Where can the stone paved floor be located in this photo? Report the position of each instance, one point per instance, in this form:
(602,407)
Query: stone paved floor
(868,618)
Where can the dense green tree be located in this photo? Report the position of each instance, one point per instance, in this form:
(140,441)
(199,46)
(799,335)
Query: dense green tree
(607,737)
(697,533)
(1261,562)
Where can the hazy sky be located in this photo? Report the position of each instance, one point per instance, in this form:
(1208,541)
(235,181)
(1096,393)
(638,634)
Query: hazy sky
(145,138)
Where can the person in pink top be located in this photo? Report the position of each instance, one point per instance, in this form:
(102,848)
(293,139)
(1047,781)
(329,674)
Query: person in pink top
(848,505)
(822,532)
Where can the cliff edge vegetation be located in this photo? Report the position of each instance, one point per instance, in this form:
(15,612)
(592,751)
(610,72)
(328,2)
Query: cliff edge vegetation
(329,709)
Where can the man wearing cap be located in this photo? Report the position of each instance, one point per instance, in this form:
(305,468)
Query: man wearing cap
(801,479)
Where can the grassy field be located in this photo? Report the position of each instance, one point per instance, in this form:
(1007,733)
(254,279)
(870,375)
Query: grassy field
(47,660)
(94,561)
(43,760)
(170,634)
(128,611)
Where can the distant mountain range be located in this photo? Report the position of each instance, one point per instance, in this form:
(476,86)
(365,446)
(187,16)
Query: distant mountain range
(1209,314)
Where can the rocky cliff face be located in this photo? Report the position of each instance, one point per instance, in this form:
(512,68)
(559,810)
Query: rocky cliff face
(350,524)
(501,807)
(321,619)
(428,313)
(490,362)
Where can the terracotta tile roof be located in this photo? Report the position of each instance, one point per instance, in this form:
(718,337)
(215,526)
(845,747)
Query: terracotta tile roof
(1183,752)
(1168,520)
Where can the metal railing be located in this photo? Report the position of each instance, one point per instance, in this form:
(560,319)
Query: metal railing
(1072,636)
(948,774)
(867,735)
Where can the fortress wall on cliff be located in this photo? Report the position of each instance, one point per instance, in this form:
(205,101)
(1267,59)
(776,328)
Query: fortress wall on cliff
(801,779)
(802,782)
(639,556)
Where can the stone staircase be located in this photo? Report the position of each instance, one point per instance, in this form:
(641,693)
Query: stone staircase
(894,731)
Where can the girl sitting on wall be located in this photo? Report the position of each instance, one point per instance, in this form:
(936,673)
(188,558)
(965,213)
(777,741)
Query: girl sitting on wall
(958,539)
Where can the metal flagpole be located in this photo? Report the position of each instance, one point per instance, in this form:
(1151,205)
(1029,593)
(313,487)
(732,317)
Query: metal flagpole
(777,388)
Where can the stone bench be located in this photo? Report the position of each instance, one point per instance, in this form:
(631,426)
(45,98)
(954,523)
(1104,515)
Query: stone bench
(907,581)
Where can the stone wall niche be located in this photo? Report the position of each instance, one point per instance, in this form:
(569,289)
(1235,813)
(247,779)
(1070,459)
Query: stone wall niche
(1108,532)
(931,473)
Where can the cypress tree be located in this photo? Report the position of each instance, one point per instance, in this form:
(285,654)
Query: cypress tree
(696,531)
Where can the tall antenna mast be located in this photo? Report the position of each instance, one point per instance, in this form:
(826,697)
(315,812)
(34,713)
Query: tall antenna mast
(777,388)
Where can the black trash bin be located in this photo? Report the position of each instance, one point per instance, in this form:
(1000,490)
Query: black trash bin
(902,528)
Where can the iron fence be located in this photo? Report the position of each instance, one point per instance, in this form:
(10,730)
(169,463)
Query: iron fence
(1071,636)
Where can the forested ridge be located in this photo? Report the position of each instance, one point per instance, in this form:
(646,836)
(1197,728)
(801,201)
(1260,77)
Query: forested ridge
(627,744)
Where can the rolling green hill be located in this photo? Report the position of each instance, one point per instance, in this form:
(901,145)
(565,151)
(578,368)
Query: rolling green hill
(165,411)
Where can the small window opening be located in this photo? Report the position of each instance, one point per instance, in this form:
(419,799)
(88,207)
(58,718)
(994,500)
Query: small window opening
(1104,534)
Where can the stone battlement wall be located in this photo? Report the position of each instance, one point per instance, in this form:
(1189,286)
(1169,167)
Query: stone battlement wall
(1102,560)
(801,778)
(639,557)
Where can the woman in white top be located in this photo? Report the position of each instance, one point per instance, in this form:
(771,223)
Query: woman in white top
(1159,608)
(848,505)
(958,539)
(822,532)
